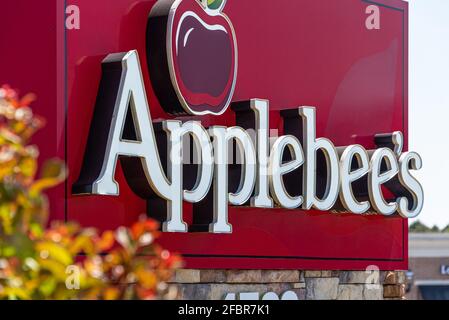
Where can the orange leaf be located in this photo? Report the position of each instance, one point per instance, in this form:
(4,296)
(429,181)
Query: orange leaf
(106,241)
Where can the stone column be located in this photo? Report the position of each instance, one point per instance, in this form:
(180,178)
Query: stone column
(307,285)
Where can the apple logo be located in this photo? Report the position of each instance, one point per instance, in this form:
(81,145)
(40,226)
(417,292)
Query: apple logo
(192,56)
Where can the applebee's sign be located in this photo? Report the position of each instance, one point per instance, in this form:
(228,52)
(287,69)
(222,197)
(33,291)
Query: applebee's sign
(192,55)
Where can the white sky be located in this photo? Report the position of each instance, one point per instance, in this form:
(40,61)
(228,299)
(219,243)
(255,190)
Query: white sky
(429,103)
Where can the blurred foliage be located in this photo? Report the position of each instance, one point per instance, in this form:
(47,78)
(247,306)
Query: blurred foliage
(419,227)
(65,261)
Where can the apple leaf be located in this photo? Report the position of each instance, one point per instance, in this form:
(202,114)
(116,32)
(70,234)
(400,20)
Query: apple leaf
(215,4)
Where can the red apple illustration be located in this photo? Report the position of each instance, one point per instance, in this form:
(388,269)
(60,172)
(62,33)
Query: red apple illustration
(192,56)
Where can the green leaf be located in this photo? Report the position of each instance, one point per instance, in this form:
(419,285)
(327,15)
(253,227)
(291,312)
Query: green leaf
(8,251)
(48,286)
(215,4)
(53,173)
(23,246)
(55,251)
(57,269)
(36,229)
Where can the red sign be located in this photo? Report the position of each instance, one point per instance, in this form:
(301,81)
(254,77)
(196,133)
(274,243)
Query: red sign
(293,53)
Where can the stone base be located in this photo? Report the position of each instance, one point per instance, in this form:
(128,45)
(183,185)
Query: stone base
(275,284)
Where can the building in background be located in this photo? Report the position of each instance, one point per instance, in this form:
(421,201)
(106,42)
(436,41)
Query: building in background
(429,266)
